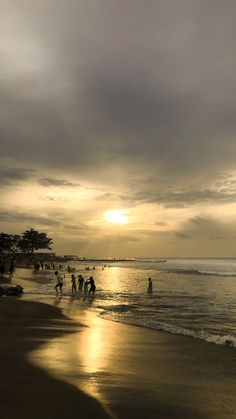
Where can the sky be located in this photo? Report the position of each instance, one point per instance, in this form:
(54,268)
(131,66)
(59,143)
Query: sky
(118,125)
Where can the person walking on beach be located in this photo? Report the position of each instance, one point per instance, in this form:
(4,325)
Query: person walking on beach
(149,290)
(73,282)
(92,285)
(59,282)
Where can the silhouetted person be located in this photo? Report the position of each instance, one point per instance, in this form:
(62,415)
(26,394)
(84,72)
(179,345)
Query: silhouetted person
(86,283)
(59,282)
(92,285)
(73,282)
(11,269)
(80,282)
(149,290)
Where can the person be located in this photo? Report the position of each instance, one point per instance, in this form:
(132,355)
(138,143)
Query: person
(73,282)
(92,285)
(59,282)
(11,269)
(149,290)
(80,282)
(86,283)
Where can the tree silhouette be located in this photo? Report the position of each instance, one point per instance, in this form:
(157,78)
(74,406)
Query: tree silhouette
(8,242)
(32,240)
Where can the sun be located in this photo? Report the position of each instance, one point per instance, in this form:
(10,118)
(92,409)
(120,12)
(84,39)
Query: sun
(116,216)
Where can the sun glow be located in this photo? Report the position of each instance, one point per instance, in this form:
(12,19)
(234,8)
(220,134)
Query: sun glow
(116,216)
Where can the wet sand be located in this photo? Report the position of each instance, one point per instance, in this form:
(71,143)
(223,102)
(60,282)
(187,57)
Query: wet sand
(27,391)
(136,372)
(132,371)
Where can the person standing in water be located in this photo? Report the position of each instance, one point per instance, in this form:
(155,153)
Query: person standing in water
(149,290)
(59,282)
(73,283)
(86,286)
(80,282)
(92,285)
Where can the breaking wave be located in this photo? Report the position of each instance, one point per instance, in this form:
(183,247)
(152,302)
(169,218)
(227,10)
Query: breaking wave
(227,340)
(201,272)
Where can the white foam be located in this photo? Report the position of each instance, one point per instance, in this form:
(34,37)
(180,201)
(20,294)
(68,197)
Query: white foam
(228,340)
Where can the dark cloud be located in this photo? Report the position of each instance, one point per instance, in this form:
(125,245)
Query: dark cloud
(121,239)
(120,96)
(77,229)
(182,235)
(103,89)
(222,192)
(57,182)
(108,196)
(52,199)
(24,218)
(208,228)
(14,175)
(198,220)
(57,222)
(225,236)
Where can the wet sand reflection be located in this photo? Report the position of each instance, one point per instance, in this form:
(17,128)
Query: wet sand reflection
(83,358)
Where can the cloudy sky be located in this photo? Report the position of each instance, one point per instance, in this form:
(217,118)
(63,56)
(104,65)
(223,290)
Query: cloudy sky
(118,125)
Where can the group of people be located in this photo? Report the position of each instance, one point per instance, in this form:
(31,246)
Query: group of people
(9,268)
(41,266)
(87,286)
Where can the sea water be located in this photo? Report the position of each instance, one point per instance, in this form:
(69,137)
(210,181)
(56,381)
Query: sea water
(193,297)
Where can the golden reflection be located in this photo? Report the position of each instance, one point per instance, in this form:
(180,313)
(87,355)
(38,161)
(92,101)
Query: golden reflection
(91,348)
(94,352)
(114,282)
(85,358)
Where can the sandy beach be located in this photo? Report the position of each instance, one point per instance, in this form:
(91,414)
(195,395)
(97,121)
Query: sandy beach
(46,371)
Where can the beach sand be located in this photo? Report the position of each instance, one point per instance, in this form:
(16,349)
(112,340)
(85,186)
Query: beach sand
(131,371)
(27,391)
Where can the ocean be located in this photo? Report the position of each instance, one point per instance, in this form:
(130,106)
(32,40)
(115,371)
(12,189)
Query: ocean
(191,297)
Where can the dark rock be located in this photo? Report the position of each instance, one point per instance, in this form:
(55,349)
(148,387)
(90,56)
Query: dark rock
(11,290)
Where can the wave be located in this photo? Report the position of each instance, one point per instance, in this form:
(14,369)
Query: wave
(119,308)
(201,272)
(226,340)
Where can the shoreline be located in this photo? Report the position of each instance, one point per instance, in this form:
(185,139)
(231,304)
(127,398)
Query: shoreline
(136,372)
(70,362)
(144,373)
